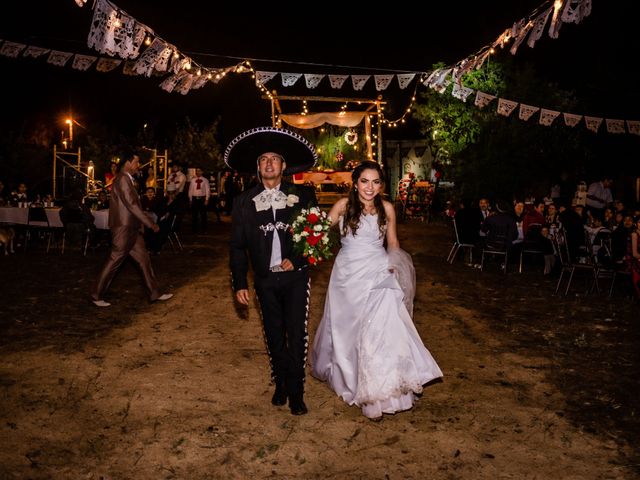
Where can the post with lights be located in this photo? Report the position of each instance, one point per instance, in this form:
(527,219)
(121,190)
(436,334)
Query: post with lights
(69,121)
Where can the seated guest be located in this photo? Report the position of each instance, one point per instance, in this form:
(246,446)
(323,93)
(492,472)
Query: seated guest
(536,235)
(551,215)
(149,202)
(533,216)
(103,200)
(609,218)
(168,217)
(468,221)
(76,217)
(20,196)
(3,195)
(501,229)
(573,226)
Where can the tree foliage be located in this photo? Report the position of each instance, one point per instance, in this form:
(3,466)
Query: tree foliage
(487,154)
(192,144)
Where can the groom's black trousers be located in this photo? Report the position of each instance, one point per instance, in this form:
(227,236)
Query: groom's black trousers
(284,304)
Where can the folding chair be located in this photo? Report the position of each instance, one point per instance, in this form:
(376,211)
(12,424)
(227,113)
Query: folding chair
(173,234)
(458,244)
(530,245)
(37,222)
(497,243)
(570,266)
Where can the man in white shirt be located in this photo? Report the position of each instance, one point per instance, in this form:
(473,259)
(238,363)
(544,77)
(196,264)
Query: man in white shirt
(599,196)
(199,193)
(176,180)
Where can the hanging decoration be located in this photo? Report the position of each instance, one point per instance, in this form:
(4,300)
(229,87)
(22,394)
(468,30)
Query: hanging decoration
(593,123)
(358,81)
(337,81)
(505,107)
(83,62)
(571,120)
(59,59)
(351,137)
(615,125)
(526,111)
(114,32)
(312,80)
(548,116)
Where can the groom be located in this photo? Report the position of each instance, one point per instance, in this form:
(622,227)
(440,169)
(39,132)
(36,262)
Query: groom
(261,226)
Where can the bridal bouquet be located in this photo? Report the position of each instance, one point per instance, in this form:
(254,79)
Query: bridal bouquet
(311,235)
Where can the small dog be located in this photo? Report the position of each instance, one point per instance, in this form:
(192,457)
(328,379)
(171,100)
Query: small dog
(6,239)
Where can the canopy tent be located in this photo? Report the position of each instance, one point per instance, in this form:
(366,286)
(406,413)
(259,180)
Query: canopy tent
(343,118)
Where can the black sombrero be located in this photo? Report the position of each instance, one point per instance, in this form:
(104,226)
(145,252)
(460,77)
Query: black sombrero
(243,151)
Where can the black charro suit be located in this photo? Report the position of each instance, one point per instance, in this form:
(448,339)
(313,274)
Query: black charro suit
(283,296)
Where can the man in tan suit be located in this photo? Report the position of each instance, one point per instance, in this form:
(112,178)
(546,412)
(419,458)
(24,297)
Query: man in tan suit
(126,218)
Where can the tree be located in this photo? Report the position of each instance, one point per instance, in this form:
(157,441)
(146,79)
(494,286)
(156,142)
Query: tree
(195,145)
(486,154)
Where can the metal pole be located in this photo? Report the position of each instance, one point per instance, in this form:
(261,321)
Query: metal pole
(55,154)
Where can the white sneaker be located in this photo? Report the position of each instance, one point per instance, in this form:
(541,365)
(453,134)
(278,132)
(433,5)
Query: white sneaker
(165,296)
(101,303)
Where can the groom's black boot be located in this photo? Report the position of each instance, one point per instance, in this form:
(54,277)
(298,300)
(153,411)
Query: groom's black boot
(296,404)
(280,395)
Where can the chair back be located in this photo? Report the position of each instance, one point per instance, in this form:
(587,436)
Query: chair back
(37,217)
(172,222)
(455,230)
(498,238)
(534,230)
(562,247)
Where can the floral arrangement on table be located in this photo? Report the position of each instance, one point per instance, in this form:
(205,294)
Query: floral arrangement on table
(312,235)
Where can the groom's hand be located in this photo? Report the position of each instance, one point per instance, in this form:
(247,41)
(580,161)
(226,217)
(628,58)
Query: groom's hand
(287,265)
(243,296)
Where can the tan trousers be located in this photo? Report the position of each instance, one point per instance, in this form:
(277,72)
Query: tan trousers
(126,241)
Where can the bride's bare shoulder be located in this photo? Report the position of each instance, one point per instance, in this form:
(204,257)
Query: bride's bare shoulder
(339,208)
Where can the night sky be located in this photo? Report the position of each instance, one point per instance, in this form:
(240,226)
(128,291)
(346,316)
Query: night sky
(591,57)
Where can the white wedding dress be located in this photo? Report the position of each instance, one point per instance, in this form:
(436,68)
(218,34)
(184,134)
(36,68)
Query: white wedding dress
(366,346)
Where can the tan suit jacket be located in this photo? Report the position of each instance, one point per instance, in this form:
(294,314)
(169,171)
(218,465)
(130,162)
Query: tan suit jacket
(124,208)
(126,218)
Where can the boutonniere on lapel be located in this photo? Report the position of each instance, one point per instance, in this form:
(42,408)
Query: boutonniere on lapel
(292,200)
(274,199)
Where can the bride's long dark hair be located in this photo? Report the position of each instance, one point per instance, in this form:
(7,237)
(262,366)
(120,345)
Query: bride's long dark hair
(355,207)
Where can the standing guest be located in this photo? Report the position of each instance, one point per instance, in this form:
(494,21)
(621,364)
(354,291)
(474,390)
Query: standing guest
(110,176)
(599,196)
(126,219)
(261,231)
(229,188)
(176,180)
(151,181)
(214,196)
(199,193)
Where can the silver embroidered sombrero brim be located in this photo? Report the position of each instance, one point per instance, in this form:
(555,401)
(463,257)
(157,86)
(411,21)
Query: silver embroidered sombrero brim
(243,151)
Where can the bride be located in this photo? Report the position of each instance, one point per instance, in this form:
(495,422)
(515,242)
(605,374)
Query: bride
(366,347)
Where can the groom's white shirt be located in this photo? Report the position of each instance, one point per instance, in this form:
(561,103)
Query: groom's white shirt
(276,249)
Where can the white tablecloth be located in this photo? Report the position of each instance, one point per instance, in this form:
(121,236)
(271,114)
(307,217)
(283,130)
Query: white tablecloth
(101,219)
(20,216)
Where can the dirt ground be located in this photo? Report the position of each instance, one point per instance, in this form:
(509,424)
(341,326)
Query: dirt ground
(535,386)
